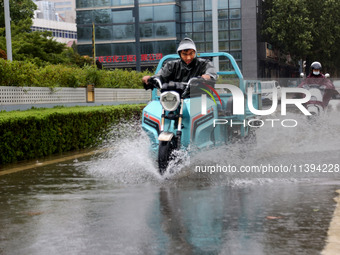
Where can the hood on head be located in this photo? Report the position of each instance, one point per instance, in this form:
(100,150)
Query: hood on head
(186,44)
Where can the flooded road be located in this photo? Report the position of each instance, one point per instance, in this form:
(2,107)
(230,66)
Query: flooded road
(115,202)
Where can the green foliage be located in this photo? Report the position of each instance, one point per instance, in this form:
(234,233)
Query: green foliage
(38,133)
(19,10)
(19,73)
(307,29)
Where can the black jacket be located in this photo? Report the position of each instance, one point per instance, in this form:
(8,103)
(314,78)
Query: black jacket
(179,71)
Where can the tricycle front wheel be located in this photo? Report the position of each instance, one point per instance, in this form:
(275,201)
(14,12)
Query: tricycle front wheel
(164,155)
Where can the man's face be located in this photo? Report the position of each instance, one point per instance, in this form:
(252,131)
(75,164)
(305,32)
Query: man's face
(187,56)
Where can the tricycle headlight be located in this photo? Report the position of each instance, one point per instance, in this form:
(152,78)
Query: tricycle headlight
(170,100)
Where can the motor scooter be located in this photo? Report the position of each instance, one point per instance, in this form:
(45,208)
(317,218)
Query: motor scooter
(194,114)
(321,90)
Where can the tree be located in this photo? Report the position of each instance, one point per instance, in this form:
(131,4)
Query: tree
(307,29)
(19,10)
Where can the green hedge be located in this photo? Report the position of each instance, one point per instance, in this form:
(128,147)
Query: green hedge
(18,73)
(41,132)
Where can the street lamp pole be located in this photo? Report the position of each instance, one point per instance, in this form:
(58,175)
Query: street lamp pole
(137,34)
(8,31)
(215,32)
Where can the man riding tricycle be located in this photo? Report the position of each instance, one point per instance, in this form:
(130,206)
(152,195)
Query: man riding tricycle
(192,111)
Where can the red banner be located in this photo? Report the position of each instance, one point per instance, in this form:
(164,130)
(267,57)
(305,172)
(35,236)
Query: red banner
(129,58)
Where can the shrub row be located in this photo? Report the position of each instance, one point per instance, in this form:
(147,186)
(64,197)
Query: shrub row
(41,132)
(18,73)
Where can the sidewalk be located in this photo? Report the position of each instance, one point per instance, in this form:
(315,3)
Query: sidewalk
(23,107)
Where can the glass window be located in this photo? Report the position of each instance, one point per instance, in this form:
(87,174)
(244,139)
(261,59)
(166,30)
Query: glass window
(208,16)
(102,16)
(200,47)
(103,50)
(145,1)
(146,30)
(103,3)
(123,49)
(198,5)
(208,36)
(84,3)
(84,33)
(223,25)
(223,35)
(84,17)
(198,36)
(122,2)
(147,47)
(188,35)
(186,6)
(164,12)
(123,32)
(122,16)
(208,26)
(209,47)
(223,14)
(235,35)
(208,5)
(103,33)
(223,4)
(235,24)
(237,54)
(187,17)
(235,45)
(84,50)
(187,27)
(235,14)
(198,16)
(165,29)
(235,3)
(223,46)
(199,27)
(166,47)
(146,13)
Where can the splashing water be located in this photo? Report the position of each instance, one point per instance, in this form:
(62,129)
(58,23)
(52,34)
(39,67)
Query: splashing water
(128,158)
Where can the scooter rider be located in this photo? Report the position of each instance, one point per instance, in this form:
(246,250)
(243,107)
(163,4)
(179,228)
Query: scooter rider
(316,77)
(185,68)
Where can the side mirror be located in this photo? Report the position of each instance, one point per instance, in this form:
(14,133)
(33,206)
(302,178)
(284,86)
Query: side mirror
(327,75)
(302,75)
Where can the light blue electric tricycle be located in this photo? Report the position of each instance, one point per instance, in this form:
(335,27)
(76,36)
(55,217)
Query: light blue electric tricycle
(199,114)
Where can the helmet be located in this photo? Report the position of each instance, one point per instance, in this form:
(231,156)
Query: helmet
(186,44)
(315,65)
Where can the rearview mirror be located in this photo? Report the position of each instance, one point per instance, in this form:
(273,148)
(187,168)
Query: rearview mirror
(302,75)
(327,75)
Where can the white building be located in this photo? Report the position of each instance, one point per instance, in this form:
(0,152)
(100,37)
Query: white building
(47,18)
(63,32)
(59,10)
(66,10)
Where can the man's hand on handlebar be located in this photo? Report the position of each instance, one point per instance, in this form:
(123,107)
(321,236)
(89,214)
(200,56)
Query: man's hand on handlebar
(206,76)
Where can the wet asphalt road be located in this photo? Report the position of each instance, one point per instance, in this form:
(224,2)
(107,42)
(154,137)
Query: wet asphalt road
(62,209)
(116,202)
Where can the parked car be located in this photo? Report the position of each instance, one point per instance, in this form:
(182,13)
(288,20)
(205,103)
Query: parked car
(267,91)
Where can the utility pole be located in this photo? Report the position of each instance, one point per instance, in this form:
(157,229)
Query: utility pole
(215,33)
(8,31)
(137,35)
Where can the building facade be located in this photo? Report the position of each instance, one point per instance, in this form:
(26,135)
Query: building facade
(162,24)
(57,10)
(62,32)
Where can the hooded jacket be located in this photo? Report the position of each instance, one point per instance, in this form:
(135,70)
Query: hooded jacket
(179,71)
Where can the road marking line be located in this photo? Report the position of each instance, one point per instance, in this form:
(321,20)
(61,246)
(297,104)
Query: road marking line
(49,162)
(333,240)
